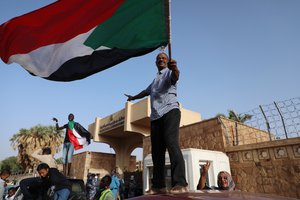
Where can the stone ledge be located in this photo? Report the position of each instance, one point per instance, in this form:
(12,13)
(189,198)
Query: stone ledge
(269,144)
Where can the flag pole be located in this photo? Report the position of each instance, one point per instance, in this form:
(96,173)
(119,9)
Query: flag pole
(169,28)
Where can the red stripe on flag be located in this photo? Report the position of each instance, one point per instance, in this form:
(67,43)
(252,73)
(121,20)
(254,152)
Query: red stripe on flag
(55,23)
(74,140)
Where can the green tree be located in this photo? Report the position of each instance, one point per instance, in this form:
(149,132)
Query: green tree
(11,164)
(235,116)
(29,140)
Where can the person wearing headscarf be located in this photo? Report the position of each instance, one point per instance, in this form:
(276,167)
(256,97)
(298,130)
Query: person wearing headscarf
(225,181)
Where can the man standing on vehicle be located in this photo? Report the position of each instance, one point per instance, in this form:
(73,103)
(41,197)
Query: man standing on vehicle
(165,120)
(76,138)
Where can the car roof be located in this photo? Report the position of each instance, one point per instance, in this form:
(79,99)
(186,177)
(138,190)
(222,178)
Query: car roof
(213,195)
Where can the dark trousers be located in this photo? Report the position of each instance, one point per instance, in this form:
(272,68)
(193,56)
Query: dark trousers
(35,185)
(165,135)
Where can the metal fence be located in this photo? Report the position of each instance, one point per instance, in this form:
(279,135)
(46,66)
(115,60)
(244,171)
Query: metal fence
(281,118)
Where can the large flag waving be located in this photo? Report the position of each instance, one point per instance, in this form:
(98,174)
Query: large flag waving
(72,39)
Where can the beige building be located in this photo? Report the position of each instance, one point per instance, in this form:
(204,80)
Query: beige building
(96,163)
(126,129)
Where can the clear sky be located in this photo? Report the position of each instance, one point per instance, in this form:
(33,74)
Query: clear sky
(233,54)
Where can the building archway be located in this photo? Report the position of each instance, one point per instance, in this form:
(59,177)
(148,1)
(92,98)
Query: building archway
(125,130)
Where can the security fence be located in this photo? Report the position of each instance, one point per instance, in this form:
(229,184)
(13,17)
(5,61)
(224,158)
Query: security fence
(280,119)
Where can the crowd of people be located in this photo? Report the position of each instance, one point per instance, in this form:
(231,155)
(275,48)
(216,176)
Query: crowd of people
(119,188)
(55,185)
(52,184)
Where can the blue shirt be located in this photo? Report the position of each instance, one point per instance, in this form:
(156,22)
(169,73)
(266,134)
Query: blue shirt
(114,185)
(163,94)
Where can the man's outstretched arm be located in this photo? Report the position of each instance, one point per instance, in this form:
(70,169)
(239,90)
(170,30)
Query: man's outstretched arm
(140,95)
(56,124)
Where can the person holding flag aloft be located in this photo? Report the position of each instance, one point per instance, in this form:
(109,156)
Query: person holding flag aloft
(76,138)
(165,120)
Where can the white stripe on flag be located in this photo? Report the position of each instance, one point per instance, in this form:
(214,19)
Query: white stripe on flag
(81,140)
(47,59)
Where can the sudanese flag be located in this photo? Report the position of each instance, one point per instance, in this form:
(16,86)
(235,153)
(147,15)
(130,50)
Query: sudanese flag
(72,39)
(78,135)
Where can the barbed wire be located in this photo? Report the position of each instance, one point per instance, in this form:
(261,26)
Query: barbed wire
(281,119)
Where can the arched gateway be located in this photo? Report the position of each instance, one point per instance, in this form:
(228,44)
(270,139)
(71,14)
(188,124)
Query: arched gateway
(124,130)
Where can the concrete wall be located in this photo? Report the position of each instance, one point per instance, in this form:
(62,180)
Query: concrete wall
(257,164)
(206,134)
(96,162)
(269,167)
(215,134)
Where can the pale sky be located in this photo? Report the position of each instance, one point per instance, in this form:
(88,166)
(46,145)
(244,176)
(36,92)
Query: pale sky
(233,54)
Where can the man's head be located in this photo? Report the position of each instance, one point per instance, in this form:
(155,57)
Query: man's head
(11,191)
(43,170)
(71,117)
(105,182)
(162,60)
(5,173)
(92,176)
(46,151)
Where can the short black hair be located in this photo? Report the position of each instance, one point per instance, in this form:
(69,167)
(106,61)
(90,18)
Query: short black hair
(163,53)
(106,180)
(46,151)
(12,188)
(42,166)
(5,172)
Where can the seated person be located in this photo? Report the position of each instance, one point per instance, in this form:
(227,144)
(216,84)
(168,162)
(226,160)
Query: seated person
(225,181)
(11,193)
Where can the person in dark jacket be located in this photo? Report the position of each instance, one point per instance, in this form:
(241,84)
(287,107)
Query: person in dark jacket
(52,178)
(76,138)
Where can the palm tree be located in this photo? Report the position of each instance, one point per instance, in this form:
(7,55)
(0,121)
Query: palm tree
(238,117)
(242,118)
(235,116)
(29,140)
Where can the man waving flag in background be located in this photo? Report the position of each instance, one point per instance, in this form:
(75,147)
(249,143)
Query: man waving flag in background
(72,39)
(76,138)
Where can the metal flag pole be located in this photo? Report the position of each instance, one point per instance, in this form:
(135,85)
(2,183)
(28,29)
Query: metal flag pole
(169,28)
